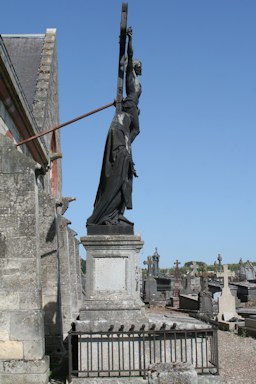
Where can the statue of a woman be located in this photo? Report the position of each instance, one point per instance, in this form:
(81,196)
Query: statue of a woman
(115,187)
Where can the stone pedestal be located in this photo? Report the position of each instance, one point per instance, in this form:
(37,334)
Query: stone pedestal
(112,280)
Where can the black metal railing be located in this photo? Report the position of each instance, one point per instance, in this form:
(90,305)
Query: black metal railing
(129,353)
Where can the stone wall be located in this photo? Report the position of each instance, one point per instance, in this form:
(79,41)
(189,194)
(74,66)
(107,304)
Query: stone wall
(40,272)
(46,101)
(22,328)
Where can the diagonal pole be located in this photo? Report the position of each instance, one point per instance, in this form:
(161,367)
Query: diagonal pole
(64,124)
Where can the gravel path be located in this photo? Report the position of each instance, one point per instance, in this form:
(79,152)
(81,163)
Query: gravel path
(237,358)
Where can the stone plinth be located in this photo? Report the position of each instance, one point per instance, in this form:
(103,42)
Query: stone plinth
(113,279)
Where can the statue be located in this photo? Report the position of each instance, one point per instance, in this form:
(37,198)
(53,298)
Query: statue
(115,187)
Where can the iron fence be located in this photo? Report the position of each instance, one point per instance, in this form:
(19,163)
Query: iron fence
(129,353)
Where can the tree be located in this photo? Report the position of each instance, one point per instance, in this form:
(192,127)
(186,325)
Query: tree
(83,265)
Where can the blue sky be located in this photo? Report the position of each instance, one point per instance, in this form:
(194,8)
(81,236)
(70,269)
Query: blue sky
(196,192)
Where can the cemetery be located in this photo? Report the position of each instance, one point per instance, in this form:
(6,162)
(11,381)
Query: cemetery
(113,324)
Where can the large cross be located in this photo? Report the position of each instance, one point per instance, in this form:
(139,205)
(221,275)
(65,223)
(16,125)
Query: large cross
(121,61)
(149,263)
(226,274)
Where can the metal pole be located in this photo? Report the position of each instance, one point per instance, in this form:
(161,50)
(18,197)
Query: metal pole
(64,124)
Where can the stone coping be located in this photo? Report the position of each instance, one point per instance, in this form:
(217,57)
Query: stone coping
(171,322)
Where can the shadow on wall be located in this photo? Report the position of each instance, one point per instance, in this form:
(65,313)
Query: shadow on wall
(51,231)
(2,245)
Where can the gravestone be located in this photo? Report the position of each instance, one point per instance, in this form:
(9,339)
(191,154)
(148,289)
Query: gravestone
(156,258)
(176,285)
(249,271)
(205,296)
(150,284)
(227,304)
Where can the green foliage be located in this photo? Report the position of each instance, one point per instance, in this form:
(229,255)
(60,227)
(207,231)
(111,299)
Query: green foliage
(199,263)
(83,265)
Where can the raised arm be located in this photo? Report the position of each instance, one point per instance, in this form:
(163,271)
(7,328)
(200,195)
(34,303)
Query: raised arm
(129,70)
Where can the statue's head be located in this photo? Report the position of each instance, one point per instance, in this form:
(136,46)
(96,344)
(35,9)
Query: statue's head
(137,66)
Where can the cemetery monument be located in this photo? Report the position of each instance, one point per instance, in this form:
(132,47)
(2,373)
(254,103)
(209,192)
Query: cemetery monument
(112,286)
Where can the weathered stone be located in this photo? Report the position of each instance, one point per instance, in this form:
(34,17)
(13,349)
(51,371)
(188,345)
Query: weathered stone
(112,299)
(9,300)
(25,372)
(172,373)
(34,349)
(26,325)
(11,350)
(4,325)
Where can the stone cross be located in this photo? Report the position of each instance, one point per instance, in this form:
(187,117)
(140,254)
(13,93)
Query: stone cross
(194,267)
(176,289)
(204,279)
(220,260)
(176,265)
(226,274)
(156,258)
(149,263)
(227,305)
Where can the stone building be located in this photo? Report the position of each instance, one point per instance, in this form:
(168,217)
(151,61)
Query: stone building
(40,274)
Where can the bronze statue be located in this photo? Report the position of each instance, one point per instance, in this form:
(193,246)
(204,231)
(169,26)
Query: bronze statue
(115,188)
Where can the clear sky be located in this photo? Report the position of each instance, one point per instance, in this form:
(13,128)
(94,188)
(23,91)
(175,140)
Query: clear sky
(196,155)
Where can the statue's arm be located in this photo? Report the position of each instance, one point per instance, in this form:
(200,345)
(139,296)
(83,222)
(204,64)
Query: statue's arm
(129,69)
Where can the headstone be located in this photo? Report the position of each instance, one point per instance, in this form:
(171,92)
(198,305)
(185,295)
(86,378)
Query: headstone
(150,262)
(176,286)
(150,290)
(205,296)
(249,271)
(156,258)
(226,300)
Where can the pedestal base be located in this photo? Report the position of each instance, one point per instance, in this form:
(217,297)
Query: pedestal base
(113,280)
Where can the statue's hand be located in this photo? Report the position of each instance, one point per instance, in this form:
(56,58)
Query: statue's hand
(129,32)
(134,172)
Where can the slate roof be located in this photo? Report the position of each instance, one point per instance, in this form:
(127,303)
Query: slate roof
(25,54)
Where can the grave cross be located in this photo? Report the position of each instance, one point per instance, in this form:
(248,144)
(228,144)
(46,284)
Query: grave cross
(194,267)
(176,288)
(176,265)
(220,260)
(149,263)
(226,274)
